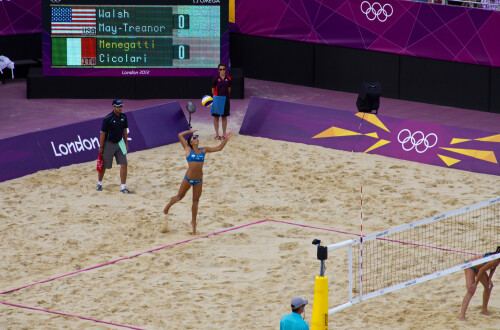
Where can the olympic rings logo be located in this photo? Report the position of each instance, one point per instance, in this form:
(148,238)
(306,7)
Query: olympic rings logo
(376,11)
(417,140)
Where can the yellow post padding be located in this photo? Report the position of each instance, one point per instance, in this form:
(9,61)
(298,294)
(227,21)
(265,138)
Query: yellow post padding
(232,15)
(319,320)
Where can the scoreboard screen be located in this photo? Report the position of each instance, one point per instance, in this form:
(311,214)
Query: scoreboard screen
(134,37)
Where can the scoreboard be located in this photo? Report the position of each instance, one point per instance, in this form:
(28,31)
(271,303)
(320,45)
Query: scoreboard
(165,37)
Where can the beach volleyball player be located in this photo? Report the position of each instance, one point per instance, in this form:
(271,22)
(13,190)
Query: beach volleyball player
(195,157)
(476,274)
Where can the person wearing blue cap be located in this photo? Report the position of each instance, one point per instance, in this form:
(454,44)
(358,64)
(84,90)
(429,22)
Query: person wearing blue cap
(114,129)
(295,321)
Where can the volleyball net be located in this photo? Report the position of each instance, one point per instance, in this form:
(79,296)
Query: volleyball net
(426,249)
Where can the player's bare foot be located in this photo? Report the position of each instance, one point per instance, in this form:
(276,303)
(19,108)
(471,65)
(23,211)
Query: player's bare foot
(486,313)
(462,318)
(193,225)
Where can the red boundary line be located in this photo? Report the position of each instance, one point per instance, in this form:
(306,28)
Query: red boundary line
(204,236)
(135,255)
(108,263)
(300,225)
(157,249)
(64,314)
(380,238)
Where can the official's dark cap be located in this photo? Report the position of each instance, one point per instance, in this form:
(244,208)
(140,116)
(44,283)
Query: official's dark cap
(298,302)
(117,103)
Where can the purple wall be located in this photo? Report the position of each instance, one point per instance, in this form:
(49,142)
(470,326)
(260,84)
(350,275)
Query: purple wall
(78,143)
(405,27)
(433,144)
(414,28)
(20,17)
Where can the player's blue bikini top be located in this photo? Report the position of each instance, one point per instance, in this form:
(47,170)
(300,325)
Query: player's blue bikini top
(484,256)
(196,158)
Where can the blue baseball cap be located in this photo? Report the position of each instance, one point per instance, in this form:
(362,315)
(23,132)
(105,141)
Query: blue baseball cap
(298,302)
(117,103)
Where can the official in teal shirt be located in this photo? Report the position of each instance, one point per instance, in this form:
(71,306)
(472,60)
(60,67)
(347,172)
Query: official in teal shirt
(294,321)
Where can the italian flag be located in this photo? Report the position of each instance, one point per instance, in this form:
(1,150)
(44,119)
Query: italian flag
(70,51)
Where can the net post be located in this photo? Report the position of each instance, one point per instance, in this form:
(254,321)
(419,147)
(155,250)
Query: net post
(319,319)
(349,252)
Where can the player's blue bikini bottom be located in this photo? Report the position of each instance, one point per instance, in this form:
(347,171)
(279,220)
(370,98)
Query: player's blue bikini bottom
(192,182)
(474,269)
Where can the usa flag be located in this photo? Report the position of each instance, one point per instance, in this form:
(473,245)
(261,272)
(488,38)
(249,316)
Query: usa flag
(72,20)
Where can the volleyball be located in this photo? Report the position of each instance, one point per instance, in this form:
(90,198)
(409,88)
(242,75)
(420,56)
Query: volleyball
(207,101)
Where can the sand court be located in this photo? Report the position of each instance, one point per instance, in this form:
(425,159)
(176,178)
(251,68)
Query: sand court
(55,223)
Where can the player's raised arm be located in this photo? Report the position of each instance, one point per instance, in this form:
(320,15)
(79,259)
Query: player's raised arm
(221,145)
(182,138)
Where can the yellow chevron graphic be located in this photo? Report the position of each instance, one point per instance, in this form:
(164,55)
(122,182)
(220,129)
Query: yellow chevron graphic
(372,119)
(373,135)
(493,138)
(232,12)
(378,145)
(455,141)
(334,132)
(488,156)
(448,160)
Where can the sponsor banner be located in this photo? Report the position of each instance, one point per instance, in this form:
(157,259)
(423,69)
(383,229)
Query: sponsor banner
(79,143)
(427,143)
(20,155)
(411,28)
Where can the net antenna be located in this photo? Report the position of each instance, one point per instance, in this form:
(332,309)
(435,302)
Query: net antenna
(420,251)
(361,250)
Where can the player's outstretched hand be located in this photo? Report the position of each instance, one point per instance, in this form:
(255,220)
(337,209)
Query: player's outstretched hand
(229,134)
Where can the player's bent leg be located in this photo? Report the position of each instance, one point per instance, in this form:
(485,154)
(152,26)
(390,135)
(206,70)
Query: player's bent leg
(470,278)
(180,195)
(197,190)
(486,294)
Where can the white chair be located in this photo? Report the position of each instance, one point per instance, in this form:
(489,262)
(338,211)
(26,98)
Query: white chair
(5,62)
